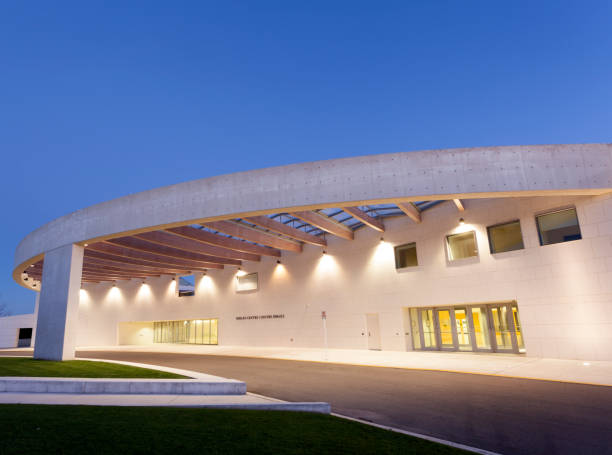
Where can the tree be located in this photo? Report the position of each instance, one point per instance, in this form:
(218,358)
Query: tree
(4,309)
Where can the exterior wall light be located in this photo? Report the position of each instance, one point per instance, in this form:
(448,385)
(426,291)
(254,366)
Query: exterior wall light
(31,265)
(278,261)
(87,244)
(461,221)
(324,252)
(382,239)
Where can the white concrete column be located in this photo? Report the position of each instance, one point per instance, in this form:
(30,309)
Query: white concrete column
(33,342)
(59,303)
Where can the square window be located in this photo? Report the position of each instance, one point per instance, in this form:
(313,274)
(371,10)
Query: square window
(406,256)
(461,246)
(505,237)
(246,283)
(186,285)
(559,226)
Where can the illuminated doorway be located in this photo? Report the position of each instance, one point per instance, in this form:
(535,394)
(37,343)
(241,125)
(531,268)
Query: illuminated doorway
(489,327)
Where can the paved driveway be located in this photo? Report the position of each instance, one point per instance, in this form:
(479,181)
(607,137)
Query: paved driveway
(506,415)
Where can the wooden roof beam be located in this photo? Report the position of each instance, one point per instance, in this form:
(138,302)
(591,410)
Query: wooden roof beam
(284,229)
(97,267)
(366,219)
(130,262)
(123,265)
(459,204)
(137,244)
(325,223)
(410,210)
(245,232)
(151,259)
(182,243)
(209,238)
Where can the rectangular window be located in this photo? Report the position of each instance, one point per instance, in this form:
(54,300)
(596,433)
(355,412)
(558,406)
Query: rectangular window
(559,226)
(186,285)
(505,237)
(461,246)
(24,337)
(406,256)
(246,283)
(194,331)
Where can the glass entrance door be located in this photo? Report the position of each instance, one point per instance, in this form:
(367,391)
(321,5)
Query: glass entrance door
(493,327)
(501,324)
(445,325)
(462,325)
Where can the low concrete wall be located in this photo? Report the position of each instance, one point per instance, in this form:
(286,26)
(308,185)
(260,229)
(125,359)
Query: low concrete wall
(121,386)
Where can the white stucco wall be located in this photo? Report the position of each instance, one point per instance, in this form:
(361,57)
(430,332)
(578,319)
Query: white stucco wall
(9,329)
(564,291)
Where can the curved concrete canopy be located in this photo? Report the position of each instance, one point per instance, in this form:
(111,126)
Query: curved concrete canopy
(580,169)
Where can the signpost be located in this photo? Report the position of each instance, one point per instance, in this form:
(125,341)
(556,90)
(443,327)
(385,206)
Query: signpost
(324,318)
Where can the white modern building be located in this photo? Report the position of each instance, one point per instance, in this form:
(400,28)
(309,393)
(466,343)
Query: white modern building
(496,249)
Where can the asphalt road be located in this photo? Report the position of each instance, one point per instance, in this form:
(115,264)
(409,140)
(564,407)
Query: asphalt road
(504,415)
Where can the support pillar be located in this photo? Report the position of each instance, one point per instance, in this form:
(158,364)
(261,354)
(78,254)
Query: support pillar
(59,303)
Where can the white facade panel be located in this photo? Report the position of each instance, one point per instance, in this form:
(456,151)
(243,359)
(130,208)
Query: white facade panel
(563,291)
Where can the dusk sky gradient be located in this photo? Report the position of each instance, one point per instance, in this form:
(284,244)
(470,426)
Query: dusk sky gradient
(102,99)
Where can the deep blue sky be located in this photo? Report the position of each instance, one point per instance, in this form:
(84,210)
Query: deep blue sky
(102,99)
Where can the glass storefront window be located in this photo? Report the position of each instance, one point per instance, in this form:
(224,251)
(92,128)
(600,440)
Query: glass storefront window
(197,331)
(429,332)
(517,327)
(493,327)
(500,327)
(481,328)
(446,331)
(461,246)
(505,237)
(463,330)
(416,333)
(557,227)
(406,256)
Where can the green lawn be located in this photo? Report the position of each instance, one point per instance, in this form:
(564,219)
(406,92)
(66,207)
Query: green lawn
(113,430)
(22,366)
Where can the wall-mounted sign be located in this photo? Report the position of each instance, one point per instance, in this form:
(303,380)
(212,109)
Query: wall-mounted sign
(261,316)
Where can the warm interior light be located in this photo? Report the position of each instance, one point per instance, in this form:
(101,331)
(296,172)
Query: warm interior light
(240,272)
(461,221)
(382,239)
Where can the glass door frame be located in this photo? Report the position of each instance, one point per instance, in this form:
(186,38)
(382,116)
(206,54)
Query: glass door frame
(451,318)
(422,332)
(509,322)
(487,307)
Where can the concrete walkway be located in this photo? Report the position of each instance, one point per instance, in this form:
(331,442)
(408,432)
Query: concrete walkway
(508,365)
